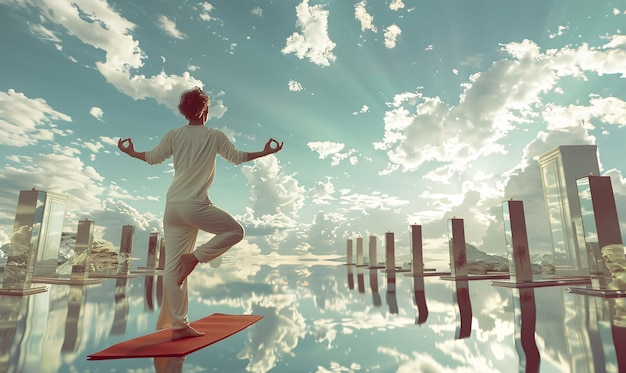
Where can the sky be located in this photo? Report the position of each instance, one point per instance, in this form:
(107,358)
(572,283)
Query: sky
(392,112)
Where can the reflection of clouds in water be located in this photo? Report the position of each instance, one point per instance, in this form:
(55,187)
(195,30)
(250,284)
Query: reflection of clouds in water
(548,355)
(494,319)
(502,351)
(55,329)
(446,315)
(419,362)
(367,320)
(278,294)
(257,291)
(422,362)
(334,367)
(328,297)
(97,318)
(324,331)
(550,336)
(500,330)
(466,356)
(277,334)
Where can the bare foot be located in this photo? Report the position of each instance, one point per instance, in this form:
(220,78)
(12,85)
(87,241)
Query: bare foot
(187,263)
(188,332)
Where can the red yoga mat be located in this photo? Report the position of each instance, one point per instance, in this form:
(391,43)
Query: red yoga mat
(216,327)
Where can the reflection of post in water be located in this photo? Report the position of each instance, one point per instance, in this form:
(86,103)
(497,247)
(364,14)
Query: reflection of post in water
(350,277)
(22,331)
(148,284)
(462,302)
(74,320)
(617,307)
(13,313)
(420,299)
(161,256)
(525,321)
(360,279)
(376,300)
(392,301)
(121,306)
(584,320)
(159,290)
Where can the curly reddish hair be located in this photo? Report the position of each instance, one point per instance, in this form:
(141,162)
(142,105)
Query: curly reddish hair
(193,103)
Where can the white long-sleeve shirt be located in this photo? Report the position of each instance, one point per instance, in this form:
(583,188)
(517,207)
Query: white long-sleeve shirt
(194,148)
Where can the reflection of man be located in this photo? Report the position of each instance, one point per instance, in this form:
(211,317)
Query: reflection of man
(168,364)
(188,209)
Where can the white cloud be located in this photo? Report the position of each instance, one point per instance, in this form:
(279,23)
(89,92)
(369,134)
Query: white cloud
(58,173)
(366,19)
(328,148)
(452,142)
(43,33)
(275,198)
(560,32)
(97,113)
(396,5)
(322,192)
(99,25)
(374,201)
(94,147)
(325,148)
(313,41)
(26,121)
(206,10)
(364,109)
(294,86)
(108,140)
(473,61)
(425,129)
(392,33)
(169,26)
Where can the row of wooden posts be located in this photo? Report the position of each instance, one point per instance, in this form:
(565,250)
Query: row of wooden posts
(601,227)
(458,259)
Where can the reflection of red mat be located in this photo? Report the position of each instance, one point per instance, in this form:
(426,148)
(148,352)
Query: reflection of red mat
(216,327)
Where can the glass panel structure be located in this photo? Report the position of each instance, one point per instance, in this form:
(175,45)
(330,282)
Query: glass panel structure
(559,170)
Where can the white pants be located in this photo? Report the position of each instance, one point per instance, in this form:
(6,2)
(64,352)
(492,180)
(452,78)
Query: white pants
(181,222)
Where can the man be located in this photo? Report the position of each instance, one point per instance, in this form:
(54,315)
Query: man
(188,208)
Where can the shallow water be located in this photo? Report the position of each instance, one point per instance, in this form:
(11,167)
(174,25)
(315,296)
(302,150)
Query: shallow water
(320,318)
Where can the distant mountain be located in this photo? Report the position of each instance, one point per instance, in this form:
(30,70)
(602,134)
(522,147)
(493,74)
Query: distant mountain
(479,262)
(103,254)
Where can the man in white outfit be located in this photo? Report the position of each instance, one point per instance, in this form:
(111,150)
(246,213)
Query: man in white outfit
(188,208)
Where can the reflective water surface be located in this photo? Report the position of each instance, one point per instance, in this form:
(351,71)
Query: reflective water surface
(322,318)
